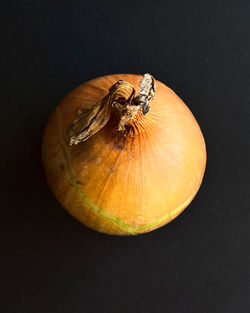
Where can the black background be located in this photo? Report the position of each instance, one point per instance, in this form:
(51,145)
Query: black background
(198,263)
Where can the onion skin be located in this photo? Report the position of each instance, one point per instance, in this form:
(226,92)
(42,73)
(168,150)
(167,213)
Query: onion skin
(125,183)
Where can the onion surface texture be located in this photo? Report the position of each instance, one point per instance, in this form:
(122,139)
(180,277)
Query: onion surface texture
(123,154)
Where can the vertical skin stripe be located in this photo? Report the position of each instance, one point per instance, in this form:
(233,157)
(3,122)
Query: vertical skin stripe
(93,206)
(122,225)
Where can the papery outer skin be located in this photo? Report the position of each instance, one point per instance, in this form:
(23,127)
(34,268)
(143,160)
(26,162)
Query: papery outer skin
(125,184)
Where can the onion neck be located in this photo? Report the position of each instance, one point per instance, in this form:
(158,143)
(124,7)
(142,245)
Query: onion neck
(121,100)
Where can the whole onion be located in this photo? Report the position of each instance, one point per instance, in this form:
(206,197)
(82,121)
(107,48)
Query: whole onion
(123,154)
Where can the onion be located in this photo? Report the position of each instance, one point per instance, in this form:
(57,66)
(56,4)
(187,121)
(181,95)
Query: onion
(123,154)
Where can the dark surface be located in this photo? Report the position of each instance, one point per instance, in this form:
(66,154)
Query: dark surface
(200,262)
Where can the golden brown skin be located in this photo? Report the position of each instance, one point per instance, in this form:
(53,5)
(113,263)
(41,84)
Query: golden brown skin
(131,182)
